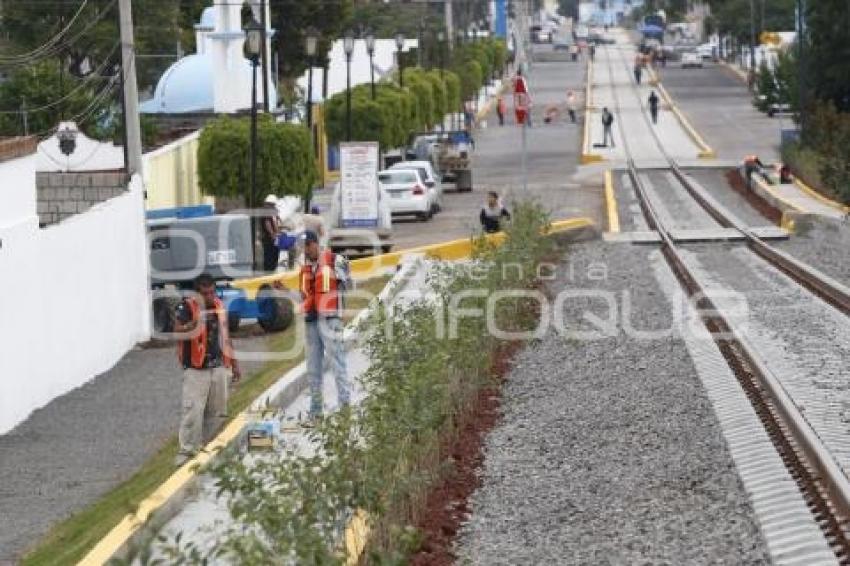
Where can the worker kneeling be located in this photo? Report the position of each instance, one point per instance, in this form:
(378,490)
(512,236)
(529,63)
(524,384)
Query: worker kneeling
(208,364)
(324,277)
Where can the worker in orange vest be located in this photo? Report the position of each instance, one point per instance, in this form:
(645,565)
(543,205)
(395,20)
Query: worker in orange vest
(324,277)
(206,355)
(752,164)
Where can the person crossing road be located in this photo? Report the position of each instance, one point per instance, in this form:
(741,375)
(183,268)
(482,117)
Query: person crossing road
(653,106)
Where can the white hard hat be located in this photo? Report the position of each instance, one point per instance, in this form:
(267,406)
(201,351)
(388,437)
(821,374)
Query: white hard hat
(271,199)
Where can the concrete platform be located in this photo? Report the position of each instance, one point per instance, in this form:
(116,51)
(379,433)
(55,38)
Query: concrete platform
(612,73)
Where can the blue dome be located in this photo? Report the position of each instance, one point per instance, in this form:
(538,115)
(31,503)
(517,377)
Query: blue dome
(187,86)
(207,19)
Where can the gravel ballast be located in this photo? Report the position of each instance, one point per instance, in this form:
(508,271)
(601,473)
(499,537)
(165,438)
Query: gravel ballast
(823,243)
(609,451)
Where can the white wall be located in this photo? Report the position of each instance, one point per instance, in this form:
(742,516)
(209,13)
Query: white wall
(17,192)
(73,299)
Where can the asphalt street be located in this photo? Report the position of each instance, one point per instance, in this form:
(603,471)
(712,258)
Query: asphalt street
(553,157)
(718,105)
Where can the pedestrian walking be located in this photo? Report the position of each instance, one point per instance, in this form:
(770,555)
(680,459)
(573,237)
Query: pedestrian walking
(501,109)
(607,122)
(324,278)
(493,213)
(592,52)
(270,228)
(206,356)
(572,105)
(653,106)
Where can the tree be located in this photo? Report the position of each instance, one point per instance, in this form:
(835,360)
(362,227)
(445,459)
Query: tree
(568,8)
(93,36)
(285,161)
(33,92)
(828,39)
(292,20)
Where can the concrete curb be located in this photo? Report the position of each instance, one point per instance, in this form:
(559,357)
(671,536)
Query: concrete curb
(705,151)
(788,209)
(819,197)
(611,204)
(586,156)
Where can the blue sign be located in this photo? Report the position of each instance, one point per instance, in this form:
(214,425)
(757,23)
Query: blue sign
(501,18)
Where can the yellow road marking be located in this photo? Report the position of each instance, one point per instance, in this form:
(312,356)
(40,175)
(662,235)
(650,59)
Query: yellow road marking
(611,203)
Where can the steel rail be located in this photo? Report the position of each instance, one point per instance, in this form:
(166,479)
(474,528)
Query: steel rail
(820,478)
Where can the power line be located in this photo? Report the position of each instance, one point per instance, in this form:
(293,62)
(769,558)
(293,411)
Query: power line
(55,49)
(50,42)
(94,75)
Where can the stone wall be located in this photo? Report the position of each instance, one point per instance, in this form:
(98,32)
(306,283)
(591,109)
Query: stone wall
(61,195)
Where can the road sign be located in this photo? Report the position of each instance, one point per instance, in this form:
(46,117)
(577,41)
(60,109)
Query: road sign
(359,184)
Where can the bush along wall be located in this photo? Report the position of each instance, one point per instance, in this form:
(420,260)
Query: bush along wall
(385,454)
(285,161)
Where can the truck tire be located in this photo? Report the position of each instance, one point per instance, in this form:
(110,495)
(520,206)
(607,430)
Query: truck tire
(463,180)
(163,313)
(276,313)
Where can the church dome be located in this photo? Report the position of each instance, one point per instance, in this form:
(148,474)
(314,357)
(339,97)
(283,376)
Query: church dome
(187,86)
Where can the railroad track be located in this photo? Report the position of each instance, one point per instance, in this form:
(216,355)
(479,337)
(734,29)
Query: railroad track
(820,475)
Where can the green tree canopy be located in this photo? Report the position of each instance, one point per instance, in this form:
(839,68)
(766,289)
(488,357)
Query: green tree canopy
(285,161)
(93,35)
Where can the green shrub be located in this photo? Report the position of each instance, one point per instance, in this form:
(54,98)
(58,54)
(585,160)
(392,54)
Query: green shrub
(285,162)
(452,90)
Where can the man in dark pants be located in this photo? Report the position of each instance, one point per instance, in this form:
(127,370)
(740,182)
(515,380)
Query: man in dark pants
(653,106)
(270,229)
(492,213)
(607,122)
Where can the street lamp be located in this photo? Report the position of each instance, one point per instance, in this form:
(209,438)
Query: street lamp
(348,47)
(370,49)
(399,44)
(254,46)
(441,37)
(311,40)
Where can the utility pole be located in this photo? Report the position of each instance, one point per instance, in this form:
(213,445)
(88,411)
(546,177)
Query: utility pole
(131,89)
(752,39)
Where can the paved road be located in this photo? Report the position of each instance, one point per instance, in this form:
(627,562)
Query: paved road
(717,103)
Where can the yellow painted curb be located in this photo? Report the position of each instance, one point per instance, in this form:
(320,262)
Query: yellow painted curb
(705,150)
(356,537)
(819,197)
(611,203)
(121,534)
(785,202)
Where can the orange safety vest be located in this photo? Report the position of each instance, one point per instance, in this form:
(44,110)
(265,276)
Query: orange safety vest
(320,288)
(196,347)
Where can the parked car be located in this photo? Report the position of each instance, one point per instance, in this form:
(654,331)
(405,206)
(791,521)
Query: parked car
(691,59)
(707,51)
(408,193)
(432,180)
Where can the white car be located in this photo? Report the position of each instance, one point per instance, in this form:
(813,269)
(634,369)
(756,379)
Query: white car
(707,51)
(432,180)
(691,59)
(408,193)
